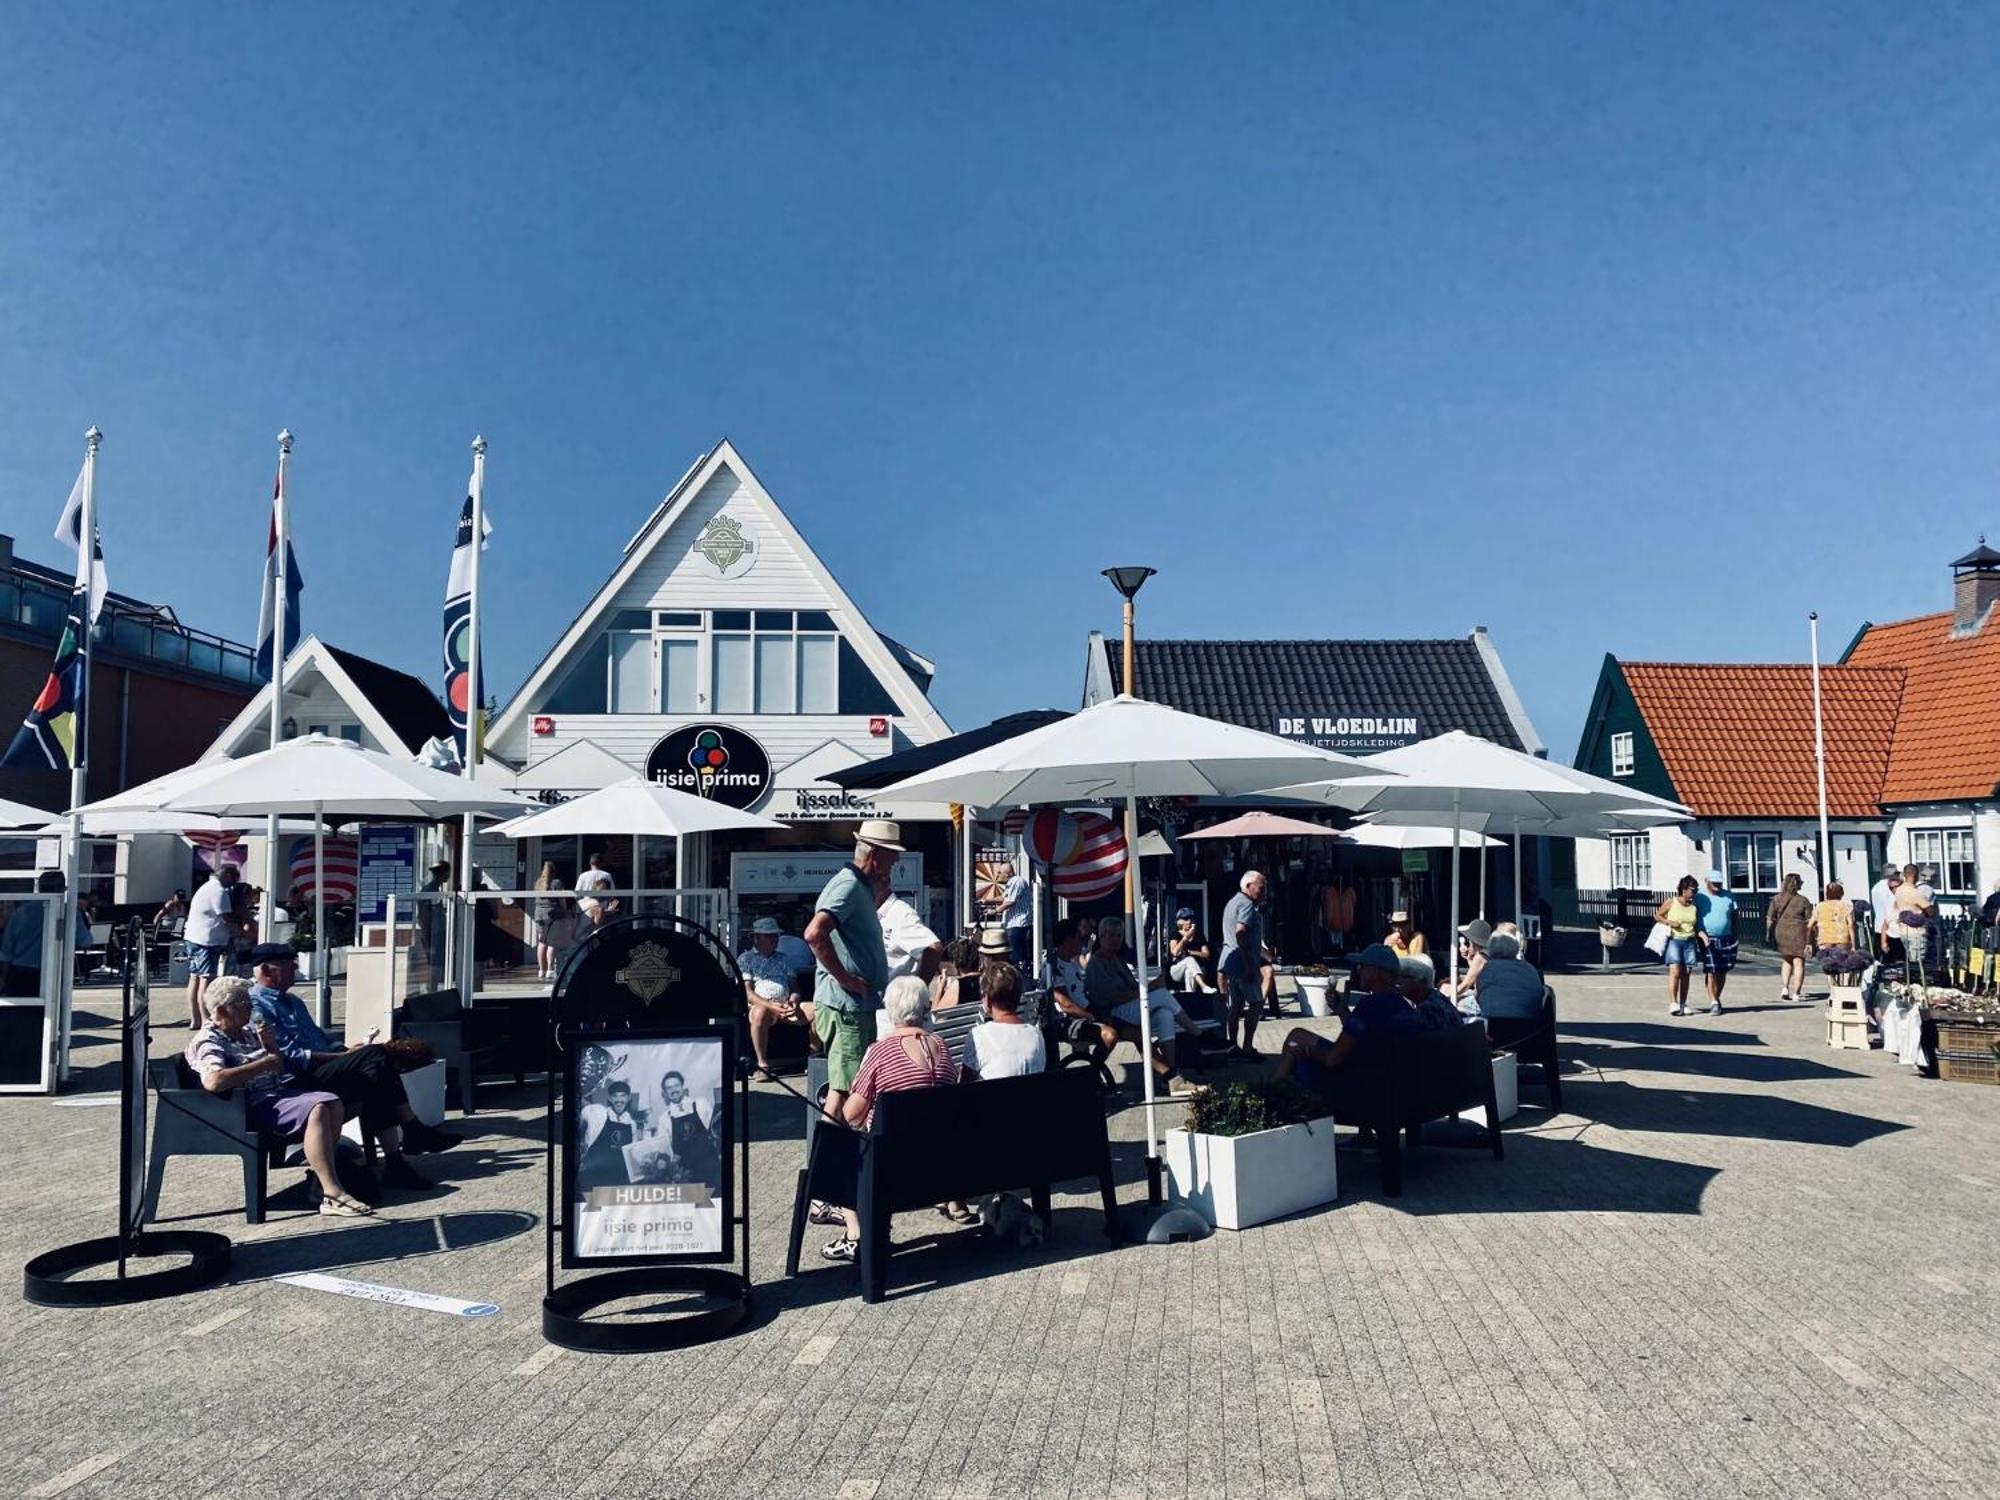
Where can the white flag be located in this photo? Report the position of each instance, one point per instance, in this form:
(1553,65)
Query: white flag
(70,530)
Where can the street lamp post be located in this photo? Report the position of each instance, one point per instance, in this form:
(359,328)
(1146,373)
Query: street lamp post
(1128,582)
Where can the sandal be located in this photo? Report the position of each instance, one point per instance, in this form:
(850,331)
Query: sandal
(340,1206)
(958,1213)
(825,1213)
(842,1249)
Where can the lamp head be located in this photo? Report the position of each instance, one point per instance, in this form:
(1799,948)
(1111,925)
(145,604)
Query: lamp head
(1128,581)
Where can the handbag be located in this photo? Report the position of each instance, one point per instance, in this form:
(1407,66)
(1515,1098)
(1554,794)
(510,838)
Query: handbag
(1656,940)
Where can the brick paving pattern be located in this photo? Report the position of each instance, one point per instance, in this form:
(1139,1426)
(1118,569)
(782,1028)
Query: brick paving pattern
(1741,1264)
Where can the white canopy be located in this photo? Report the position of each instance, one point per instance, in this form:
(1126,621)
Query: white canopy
(1124,748)
(633,806)
(1414,836)
(1264,825)
(325,777)
(20,815)
(113,822)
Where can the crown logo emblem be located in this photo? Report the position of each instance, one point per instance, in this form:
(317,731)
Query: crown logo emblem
(649,973)
(723,543)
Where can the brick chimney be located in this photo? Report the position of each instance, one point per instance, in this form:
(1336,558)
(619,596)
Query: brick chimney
(1975,580)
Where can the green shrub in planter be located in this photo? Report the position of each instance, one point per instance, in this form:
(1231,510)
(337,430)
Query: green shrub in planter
(1246,1108)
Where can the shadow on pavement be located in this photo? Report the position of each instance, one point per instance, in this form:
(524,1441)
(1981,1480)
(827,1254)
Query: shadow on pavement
(1539,1175)
(1689,1033)
(1745,1067)
(1749,1116)
(390,1239)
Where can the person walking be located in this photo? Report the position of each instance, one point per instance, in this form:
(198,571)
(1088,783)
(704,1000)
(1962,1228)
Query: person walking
(1882,907)
(1242,965)
(1915,910)
(554,926)
(1787,927)
(210,936)
(1717,909)
(1683,945)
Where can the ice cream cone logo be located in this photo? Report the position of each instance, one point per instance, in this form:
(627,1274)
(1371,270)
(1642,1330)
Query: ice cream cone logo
(706,759)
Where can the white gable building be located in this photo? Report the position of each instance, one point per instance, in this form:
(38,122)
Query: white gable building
(719,616)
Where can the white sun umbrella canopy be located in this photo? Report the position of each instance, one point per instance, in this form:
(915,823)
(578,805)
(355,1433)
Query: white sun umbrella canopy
(1457,774)
(1126,749)
(20,815)
(638,807)
(1414,836)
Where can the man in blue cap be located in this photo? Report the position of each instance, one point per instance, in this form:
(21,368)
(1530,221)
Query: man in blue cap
(1715,910)
(1374,1010)
(364,1076)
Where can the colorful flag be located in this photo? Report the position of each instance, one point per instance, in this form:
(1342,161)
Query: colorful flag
(46,740)
(460,692)
(294,585)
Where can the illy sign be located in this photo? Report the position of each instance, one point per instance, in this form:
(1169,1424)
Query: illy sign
(716,761)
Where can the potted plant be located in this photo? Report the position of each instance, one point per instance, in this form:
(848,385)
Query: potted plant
(1313,982)
(1252,1152)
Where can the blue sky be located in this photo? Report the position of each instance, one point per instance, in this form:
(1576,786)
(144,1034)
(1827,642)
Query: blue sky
(1606,329)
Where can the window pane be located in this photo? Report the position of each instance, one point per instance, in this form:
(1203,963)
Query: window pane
(677,675)
(732,619)
(732,674)
(815,619)
(774,619)
(819,674)
(678,619)
(774,674)
(631,674)
(582,689)
(1767,861)
(632,619)
(1736,865)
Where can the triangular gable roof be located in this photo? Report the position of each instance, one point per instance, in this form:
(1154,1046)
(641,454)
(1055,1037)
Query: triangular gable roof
(395,708)
(1947,740)
(889,671)
(811,768)
(581,765)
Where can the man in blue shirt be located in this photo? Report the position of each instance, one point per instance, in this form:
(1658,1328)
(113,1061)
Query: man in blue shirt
(1241,966)
(1375,1012)
(1715,911)
(364,1077)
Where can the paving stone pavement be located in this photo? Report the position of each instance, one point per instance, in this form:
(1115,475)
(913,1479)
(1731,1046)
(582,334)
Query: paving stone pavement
(1740,1264)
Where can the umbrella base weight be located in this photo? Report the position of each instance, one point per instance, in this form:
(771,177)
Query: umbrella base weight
(566,1320)
(47,1279)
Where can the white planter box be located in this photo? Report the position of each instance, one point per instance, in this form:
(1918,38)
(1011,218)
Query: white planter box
(1312,995)
(1237,1181)
(1506,1090)
(425,1088)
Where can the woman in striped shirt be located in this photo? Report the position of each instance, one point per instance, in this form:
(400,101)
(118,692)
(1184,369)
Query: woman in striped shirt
(908,1056)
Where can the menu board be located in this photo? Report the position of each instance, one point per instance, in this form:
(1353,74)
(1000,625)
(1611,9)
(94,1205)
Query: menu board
(388,868)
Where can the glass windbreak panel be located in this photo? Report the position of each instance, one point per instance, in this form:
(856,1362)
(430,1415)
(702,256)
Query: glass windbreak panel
(733,674)
(679,684)
(240,665)
(732,619)
(815,619)
(128,634)
(631,674)
(169,645)
(819,674)
(205,656)
(774,674)
(47,612)
(581,690)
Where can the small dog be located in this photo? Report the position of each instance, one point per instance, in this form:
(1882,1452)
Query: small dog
(1006,1218)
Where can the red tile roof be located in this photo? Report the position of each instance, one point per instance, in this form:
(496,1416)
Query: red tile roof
(1947,741)
(1738,740)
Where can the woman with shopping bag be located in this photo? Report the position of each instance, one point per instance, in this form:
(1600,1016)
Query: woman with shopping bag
(1676,937)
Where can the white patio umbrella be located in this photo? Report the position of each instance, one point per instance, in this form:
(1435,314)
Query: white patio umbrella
(20,815)
(329,779)
(1126,749)
(111,823)
(1414,836)
(1460,773)
(1264,825)
(638,807)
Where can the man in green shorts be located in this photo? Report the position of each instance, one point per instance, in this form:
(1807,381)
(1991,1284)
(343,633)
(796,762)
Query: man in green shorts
(851,966)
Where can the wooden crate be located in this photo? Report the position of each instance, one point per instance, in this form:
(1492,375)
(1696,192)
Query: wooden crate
(1965,1050)
(1961,1068)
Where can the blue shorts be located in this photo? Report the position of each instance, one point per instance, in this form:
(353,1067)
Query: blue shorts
(1682,951)
(209,963)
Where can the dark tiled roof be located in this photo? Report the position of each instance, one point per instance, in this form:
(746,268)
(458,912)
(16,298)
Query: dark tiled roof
(1443,685)
(412,709)
(1738,740)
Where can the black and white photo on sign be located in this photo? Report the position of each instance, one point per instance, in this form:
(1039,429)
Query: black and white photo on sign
(649,1148)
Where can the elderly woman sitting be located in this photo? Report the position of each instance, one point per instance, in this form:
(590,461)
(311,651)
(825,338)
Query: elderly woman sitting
(1418,983)
(908,1056)
(225,1056)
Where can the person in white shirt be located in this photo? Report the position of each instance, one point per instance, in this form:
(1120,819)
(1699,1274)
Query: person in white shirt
(593,880)
(1002,1045)
(912,948)
(1019,897)
(210,936)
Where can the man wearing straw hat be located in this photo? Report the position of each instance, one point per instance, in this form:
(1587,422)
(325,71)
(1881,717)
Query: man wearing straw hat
(851,963)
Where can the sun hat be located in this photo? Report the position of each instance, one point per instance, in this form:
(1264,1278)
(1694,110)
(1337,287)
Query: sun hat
(993,943)
(1478,930)
(883,833)
(766,927)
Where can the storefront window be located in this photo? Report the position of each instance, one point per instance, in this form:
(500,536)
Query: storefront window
(1750,861)
(1947,852)
(735,674)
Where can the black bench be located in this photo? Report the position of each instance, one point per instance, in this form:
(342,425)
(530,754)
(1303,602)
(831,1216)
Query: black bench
(957,1142)
(190,1121)
(1396,1087)
(953,1025)
(1533,1041)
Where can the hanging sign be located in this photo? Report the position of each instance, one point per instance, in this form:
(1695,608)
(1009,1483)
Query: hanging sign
(717,761)
(798,872)
(1416,861)
(1348,734)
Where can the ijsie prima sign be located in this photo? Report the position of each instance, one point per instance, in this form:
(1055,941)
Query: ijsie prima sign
(1350,734)
(716,761)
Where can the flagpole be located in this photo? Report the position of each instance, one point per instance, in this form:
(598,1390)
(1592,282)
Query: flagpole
(79,761)
(1819,758)
(468,961)
(279,564)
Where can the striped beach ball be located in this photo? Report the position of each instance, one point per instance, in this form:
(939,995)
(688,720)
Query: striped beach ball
(1053,837)
(1098,867)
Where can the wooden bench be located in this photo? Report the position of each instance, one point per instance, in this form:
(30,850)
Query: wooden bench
(957,1142)
(1395,1087)
(1533,1041)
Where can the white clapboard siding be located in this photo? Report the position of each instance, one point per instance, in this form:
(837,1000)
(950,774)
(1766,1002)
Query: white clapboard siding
(674,577)
(785,737)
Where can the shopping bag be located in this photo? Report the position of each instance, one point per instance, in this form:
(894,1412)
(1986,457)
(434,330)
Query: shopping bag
(1656,940)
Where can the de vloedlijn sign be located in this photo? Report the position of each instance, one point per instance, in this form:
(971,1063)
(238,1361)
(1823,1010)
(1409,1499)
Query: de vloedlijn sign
(1350,734)
(717,761)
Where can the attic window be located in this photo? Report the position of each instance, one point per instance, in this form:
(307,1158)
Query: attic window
(1621,754)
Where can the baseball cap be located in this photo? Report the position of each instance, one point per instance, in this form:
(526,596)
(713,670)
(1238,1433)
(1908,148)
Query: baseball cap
(274,953)
(1185,914)
(1713,877)
(1379,956)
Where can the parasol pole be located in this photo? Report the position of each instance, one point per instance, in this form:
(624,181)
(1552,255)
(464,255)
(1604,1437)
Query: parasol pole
(322,959)
(1452,935)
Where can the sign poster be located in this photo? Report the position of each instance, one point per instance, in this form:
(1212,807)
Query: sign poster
(1349,734)
(647,1149)
(803,872)
(992,868)
(387,866)
(717,761)
(1416,861)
